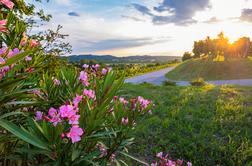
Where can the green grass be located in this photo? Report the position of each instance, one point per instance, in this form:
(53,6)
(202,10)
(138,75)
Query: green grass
(212,70)
(206,125)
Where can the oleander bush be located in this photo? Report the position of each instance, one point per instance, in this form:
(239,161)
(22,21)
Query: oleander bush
(52,113)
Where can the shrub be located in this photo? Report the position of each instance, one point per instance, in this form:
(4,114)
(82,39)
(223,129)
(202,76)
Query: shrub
(198,82)
(187,56)
(169,83)
(59,116)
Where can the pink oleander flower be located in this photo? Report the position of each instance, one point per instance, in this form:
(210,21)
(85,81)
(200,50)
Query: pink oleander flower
(154,164)
(144,103)
(96,67)
(54,116)
(112,158)
(160,155)
(85,66)
(74,119)
(77,100)
(66,111)
(55,120)
(7,3)
(104,71)
(34,43)
(2,51)
(28,58)
(125,120)
(122,100)
(2,26)
(2,61)
(84,78)
(89,93)
(189,163)
(56,82)
(180,162)
(75,134)
(115,98)
(39,116)
(15,51)
(62,135)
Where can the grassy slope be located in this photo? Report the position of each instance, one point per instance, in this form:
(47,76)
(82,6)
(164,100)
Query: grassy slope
(212,70)
(207,125)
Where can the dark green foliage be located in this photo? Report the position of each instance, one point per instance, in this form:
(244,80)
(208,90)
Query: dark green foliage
(169,83)
(186,56)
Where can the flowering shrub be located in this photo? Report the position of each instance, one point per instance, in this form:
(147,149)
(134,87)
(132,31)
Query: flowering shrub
(164,160)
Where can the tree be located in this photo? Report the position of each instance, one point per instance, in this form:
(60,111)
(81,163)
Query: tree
(186,56)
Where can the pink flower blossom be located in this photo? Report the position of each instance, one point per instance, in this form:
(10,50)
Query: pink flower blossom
(102,149)
(2,26)
(39,115)
(28,58)
(112,158)
(154,164)
(122,100)
(77,100)
(84,78)
(52,112)
(189,163)
(85,66)
(62,135)
(54,116)
(74,119)
(75,134)
(56,82)
(66,111)
(7,3)
(125,120)
(2,61)
(160,155)
(96,67)
(34,43)
(15,51)
(104,71)
(180,162)
(144,103)
(89,93)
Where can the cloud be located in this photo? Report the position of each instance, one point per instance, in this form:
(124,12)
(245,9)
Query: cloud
(74,14)
(179,12)
(111,44)
(246,15)
(212,20)
(133,18)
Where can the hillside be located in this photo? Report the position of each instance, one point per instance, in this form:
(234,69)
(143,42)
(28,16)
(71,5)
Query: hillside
(127,59)
(212,70)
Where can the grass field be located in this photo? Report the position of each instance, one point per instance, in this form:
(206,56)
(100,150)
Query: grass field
(212,70)
(209,125)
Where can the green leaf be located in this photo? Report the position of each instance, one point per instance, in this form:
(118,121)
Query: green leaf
(21,134)
(127,155)
(16,58)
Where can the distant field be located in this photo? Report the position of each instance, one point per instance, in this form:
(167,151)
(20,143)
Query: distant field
(212,70)
(209,125)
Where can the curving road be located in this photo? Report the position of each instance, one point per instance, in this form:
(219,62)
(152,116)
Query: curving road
(158,77)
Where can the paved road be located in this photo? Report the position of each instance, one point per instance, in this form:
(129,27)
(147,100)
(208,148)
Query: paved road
(158,77)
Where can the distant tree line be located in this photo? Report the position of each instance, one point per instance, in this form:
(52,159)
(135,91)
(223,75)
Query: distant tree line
(220,46)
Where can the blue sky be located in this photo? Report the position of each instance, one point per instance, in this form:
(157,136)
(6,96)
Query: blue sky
(140,27)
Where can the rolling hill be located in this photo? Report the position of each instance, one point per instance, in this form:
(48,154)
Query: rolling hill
(212,70)
(127,59)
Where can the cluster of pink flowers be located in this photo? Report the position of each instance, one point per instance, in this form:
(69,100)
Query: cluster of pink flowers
(165,161)
(3,51)
(143,102)
(89,94)
(84,78)
(66,113)
(7,3)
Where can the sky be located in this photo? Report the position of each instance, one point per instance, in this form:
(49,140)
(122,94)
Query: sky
(146,27)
